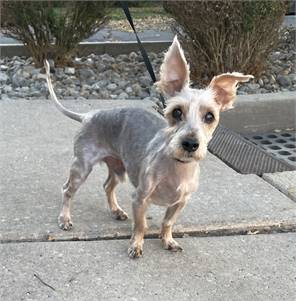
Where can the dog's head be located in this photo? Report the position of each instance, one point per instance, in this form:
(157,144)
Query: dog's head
(193,114)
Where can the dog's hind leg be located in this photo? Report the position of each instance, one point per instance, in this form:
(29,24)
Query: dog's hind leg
(116,174)
(78,174)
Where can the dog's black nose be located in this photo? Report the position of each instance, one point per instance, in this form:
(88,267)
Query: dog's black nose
(190,145)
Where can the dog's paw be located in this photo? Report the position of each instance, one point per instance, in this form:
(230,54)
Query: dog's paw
(171,245)
(65,223)
(135,251)
(119,215)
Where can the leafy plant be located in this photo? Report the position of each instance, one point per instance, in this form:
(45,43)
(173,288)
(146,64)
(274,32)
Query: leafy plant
(52,28)
(225,36)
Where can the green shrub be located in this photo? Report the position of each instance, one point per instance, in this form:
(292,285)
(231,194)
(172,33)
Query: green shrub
(225,36)
(52,28)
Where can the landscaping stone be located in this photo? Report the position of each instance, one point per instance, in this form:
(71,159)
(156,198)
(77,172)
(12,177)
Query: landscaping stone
(4,68)
(86,73)
(69,71)
(112,87)
(284,81)
(3,77)
(127,73)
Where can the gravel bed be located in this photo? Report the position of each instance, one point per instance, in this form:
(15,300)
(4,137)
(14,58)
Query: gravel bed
(125,76)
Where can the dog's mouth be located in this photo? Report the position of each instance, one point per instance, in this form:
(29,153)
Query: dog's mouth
(182,161)
(188,158)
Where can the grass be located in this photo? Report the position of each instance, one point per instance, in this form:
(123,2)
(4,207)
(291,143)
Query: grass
(143,12)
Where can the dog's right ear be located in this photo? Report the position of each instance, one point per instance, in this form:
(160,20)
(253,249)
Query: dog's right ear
(174,71)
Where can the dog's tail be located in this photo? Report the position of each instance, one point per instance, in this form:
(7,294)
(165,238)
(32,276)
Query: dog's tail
(61,108)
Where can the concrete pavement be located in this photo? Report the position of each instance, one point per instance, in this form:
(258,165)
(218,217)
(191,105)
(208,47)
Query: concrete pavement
(36,151)
(35,159)
(232,268)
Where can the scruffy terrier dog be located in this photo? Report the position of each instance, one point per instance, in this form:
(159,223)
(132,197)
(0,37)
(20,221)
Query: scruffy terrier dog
(160,156)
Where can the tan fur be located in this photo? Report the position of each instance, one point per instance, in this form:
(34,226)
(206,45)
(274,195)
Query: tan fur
(161,157)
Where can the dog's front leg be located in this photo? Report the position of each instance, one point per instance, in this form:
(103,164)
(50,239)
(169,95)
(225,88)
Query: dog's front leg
(166,229)
(140,206)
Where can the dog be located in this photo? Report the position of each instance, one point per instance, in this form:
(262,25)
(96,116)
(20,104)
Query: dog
(160,155)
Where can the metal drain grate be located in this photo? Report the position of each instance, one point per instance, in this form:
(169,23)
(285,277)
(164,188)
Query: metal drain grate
(244,156)
(281,145)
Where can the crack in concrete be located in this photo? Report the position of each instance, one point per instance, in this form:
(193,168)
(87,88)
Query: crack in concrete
(185,232)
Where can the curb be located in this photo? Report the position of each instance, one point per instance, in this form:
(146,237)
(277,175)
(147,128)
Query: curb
(256,113)
(253,113)
(86,48)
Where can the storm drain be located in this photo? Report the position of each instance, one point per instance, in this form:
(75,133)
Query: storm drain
(281,145)
(249,157)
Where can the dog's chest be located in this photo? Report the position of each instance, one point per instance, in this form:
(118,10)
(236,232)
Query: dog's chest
(177,182)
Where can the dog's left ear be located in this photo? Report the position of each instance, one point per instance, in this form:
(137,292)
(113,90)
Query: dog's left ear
(174,71)
(224,87)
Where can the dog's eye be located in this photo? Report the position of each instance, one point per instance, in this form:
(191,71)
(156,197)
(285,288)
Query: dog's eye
(177,114)
(209,117)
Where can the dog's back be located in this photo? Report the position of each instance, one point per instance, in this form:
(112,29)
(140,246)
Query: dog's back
(126,132)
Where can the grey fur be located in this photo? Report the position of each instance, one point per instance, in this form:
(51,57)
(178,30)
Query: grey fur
(149,148)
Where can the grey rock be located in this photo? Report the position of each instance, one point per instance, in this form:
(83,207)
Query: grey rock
(24,89)
(7,89)
(137,89)
(35,71)
(152,55)
(292,77)
(91,81)
(94,94)
(69,70)
(252,87)
(272,79)
(145,81)
(86,73)
(68,81)
(262,91)
(123,95)
(112,87)
(260,82)
(132,56)
(25,74)
(96,86)
(59,73)
(121,84)
(129,90)
(143,94)
(28,69)
(104,94)
(284,80)
(85,94)
(103,83)
(19,81)
(107,58)
(122,57)
(3,68)
(5,97)
(35,94)
(3,77)
(39,76)
(101,67)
